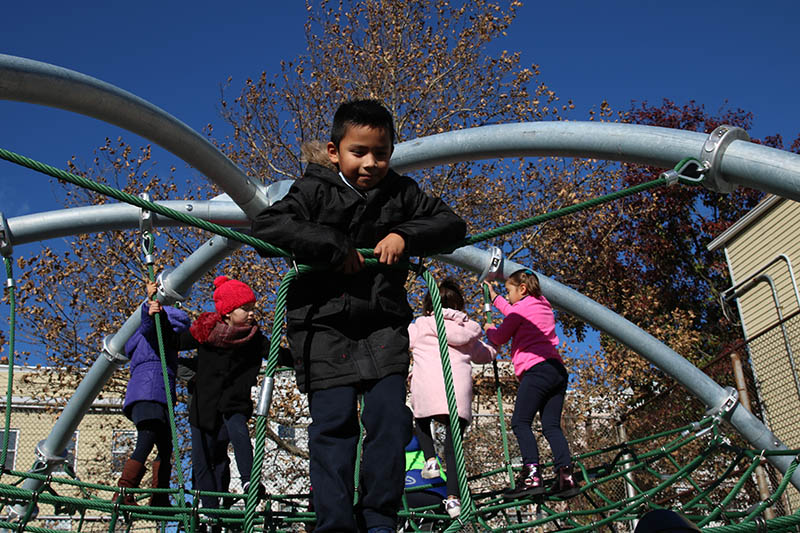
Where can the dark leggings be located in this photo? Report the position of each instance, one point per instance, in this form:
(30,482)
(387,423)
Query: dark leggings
(541,390)
(423,430)
(152,433)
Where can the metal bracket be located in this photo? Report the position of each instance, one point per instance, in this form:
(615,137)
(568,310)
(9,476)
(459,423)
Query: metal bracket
(166,293)
(146,230)
(265,396)
(723,410)
(712,152)
(5,237)
(145,216)
(490,271)
(117,358)
(49,459)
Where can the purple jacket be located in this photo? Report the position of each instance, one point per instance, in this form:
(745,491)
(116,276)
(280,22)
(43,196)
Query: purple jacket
(147,381)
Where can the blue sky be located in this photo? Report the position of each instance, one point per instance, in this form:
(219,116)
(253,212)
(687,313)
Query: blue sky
(177,55)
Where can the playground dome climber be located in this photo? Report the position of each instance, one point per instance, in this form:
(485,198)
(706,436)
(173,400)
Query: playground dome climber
(620,484)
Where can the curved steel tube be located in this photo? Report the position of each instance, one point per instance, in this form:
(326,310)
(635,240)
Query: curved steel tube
(26,80)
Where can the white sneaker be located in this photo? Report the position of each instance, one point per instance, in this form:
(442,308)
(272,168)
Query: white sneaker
(452,506)
(431,469)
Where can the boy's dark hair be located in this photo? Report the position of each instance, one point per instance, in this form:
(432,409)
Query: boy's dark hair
(361,113)
(527,278)
(451,296)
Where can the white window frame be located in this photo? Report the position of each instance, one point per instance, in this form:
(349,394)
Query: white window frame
(123,455)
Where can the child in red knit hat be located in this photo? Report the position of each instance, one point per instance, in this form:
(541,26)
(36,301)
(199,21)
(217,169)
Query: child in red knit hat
(230,349)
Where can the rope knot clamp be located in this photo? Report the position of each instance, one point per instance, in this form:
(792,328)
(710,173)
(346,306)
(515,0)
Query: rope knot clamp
(724,409)
(712,152)
(5,237)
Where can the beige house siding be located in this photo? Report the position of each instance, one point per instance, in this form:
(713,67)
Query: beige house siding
(763,239)
(37,402)
(773,234)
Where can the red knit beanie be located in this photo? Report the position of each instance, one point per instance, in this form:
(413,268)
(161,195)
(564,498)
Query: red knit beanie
(230,294)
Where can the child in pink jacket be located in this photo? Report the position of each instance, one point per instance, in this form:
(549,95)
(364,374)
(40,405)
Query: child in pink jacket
(428,398)
(530,323)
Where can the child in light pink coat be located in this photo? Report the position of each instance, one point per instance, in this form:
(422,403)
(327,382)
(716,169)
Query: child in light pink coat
(428,398)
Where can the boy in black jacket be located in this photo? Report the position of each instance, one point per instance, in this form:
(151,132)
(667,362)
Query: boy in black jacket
(347,325)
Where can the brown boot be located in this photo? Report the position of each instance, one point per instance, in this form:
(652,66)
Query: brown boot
(162,471)
(132,474)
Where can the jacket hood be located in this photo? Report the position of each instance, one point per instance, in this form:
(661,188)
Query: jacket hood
(178,319)
(202,327)
(316,152)
(460,329)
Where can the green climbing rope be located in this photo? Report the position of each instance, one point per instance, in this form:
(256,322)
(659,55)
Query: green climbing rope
(11,332)
(148,245)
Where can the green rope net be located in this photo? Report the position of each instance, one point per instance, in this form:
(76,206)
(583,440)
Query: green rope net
(694,469)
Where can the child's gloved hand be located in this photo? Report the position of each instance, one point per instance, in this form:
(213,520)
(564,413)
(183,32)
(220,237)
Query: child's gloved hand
(488,326)
(390,249)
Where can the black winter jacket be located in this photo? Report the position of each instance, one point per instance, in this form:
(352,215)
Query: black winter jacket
(345,329)
(224,378)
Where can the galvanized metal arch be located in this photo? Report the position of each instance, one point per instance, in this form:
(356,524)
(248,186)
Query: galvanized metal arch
(742,163)
(26,80)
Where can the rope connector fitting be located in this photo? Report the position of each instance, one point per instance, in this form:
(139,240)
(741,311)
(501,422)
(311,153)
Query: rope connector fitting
(265,396)
(712,152)
(145,216)
(688,170)
(724,409)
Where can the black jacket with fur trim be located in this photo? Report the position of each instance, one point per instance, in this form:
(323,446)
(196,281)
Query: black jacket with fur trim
(345,329)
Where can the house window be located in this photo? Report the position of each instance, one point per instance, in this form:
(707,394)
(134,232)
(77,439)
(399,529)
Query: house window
(71,453)
(11,455)
(123,441)
(59,524)
(286,433)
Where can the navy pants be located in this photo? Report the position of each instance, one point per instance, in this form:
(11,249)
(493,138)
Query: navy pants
(333,438)
(542,390)
(152,433)
(210,461)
